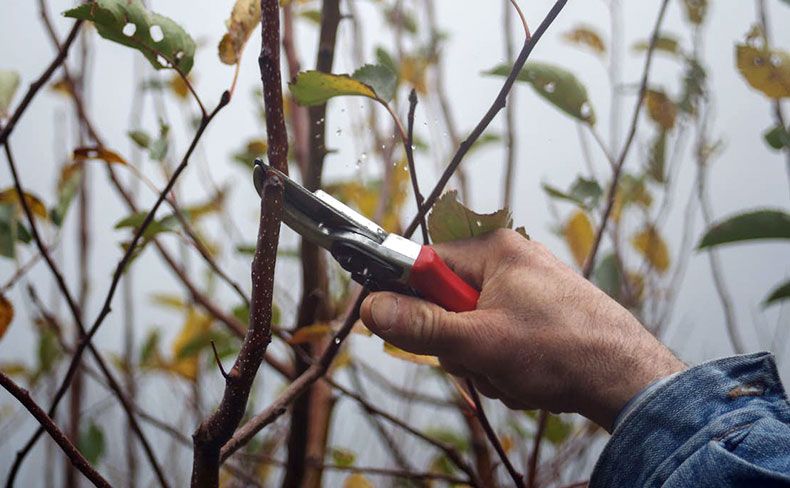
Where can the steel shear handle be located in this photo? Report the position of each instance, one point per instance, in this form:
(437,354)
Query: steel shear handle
(437,283)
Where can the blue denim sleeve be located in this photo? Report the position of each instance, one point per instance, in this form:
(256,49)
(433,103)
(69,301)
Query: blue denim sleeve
(722,423)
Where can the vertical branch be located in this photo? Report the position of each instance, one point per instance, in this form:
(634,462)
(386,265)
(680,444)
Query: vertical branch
(308,433)
(510,110)
(409,147)
(589,266)
(74,455)
(215,430)
(518,480)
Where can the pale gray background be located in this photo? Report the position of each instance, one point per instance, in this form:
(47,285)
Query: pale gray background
(746,175)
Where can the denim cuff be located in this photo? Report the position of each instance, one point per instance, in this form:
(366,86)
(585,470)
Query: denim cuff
(671,420)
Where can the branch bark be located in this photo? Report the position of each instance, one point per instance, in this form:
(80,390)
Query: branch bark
(218,428)
(74,455)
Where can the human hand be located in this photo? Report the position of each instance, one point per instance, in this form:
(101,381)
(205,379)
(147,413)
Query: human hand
(542,336)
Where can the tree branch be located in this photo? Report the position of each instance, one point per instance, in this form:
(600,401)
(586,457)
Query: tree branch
(215,430)
(499,104)
(77,459)
(408,145)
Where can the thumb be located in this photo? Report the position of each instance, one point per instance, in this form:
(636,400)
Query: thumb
(413,324)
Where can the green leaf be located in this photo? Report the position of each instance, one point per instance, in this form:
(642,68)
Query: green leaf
(583,192)
(91,443)
(343,457)
(150,347)
(607,276)
(158,148)
(8,230)
(385,59)
(693,86)
(68,185)
(780,293)
(315,88)
(758,224)
(49,352)
(380,78)
(140,137)
(777,137)
(22,234)
(9,82)
(162,41)
(657,160)
(555,84)
(134,221)
(449,437)
(450,220)
(557,430)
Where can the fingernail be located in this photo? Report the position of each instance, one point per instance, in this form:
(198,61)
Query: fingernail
(384,309)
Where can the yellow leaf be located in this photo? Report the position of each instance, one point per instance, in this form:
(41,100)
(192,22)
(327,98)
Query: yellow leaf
(586,36)
(167,300)
(14,369)
(194,329)
(410,357)
(35,204)
(245,16)
(310,333)
(507,443)
(765,70)
(6,315)
(413,71)
(357,480)
(579,236)
(359,328)
(315,88)
(696,10)
(661,109)
(63,87)
(96,152)
(651,245)
(179,86)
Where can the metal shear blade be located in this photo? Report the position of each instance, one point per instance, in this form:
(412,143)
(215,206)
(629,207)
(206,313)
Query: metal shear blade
(317,216)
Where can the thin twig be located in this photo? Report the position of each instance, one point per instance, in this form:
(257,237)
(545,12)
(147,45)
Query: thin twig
(498,104)
(532,474)
(409,147)
(74,455)
(219,361)
(612,193)
(41,81)
(518,479)
(84,341)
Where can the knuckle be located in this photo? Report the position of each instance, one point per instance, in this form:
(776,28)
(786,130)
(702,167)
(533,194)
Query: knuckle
(427,321)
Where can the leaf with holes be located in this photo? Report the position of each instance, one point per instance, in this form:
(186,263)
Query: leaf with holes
(754,225)
(780,293)
(557,85)
(586,36)
(91,443)
(6,315)
(36,206)
(410,357)
(9,82)
(162,41)
(765,70)
(380,78)
(661,109)
(653,248)
(579,236)
(450,220)
(315,88)
(245,16)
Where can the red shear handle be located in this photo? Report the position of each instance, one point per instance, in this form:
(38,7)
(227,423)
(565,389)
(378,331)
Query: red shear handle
(437,283)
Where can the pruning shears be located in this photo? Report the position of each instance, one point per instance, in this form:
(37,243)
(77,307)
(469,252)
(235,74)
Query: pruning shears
(376,259)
